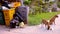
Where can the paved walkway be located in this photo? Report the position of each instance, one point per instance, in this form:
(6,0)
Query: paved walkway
(32,29)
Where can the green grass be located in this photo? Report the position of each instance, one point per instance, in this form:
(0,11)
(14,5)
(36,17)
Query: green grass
(36,19)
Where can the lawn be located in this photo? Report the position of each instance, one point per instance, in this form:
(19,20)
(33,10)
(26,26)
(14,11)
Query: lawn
(36,19)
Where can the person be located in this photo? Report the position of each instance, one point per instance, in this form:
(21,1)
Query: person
(4,3)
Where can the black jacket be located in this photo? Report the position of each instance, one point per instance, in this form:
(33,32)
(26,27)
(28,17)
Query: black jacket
(4,4)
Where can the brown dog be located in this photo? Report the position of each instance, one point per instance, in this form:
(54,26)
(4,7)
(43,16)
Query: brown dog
(44,22)
(51,21)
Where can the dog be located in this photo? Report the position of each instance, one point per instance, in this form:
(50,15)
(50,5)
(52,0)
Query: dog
(50,22)
(44,21)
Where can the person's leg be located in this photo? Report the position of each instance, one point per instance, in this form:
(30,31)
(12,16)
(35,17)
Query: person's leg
(12,24)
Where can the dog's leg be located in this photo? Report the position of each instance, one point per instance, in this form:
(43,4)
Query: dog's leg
(42,25)
(48,27)
(54,23)
(51,27)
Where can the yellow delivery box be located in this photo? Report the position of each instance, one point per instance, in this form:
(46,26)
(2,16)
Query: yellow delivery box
(8,15)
